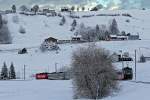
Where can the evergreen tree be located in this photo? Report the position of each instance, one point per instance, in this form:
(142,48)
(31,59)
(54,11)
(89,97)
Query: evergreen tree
(4,72)
(14,8)
(97,29)
(78,8)
(63,21)
(114,27)
(83,8)
(12,73)
(1,21)
(74,23)
(72,8)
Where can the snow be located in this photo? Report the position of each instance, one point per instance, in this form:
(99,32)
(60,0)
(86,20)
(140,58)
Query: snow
(35,90)
(39,28)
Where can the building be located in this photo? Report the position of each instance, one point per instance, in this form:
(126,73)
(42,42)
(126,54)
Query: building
(77,39)
(49,12)
(117,37)
(121,57)
(65,9)
(51,40)
(8,11)
(133,37)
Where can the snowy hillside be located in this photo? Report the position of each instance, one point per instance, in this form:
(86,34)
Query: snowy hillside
(41,27)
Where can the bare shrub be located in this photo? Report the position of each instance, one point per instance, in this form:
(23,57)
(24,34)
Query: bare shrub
(93,73)
(22,30)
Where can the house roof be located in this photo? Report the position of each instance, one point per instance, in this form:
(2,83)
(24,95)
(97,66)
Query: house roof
(51,39)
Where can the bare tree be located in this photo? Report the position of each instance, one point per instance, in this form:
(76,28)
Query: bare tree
(23,8)
(35,8)
(93,73)
(5,37)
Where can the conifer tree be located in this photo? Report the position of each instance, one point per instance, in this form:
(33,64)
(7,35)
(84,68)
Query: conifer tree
(14,8)
(4,72)
(12,73)
(114,27)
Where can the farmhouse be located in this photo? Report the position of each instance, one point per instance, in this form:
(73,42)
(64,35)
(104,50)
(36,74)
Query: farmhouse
(65,9)
(133,37)
(117,37)
(51,40)
(77,39)
(121,57)
(8,11)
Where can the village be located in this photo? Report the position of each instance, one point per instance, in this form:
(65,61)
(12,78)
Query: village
(42,48)
(52,43)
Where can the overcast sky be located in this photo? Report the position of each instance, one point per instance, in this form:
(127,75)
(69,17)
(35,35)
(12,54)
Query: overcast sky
(125,4)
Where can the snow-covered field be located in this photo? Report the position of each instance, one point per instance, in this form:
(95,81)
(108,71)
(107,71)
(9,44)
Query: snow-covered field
(40,27)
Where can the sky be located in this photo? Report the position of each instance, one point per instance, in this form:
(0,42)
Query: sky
(122,4)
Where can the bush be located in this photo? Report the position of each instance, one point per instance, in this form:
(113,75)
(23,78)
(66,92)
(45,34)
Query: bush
(22,30)
(93,73)
(128,21)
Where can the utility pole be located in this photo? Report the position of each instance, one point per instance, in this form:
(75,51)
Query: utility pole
(56,67)
(24,72)
(135,64)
